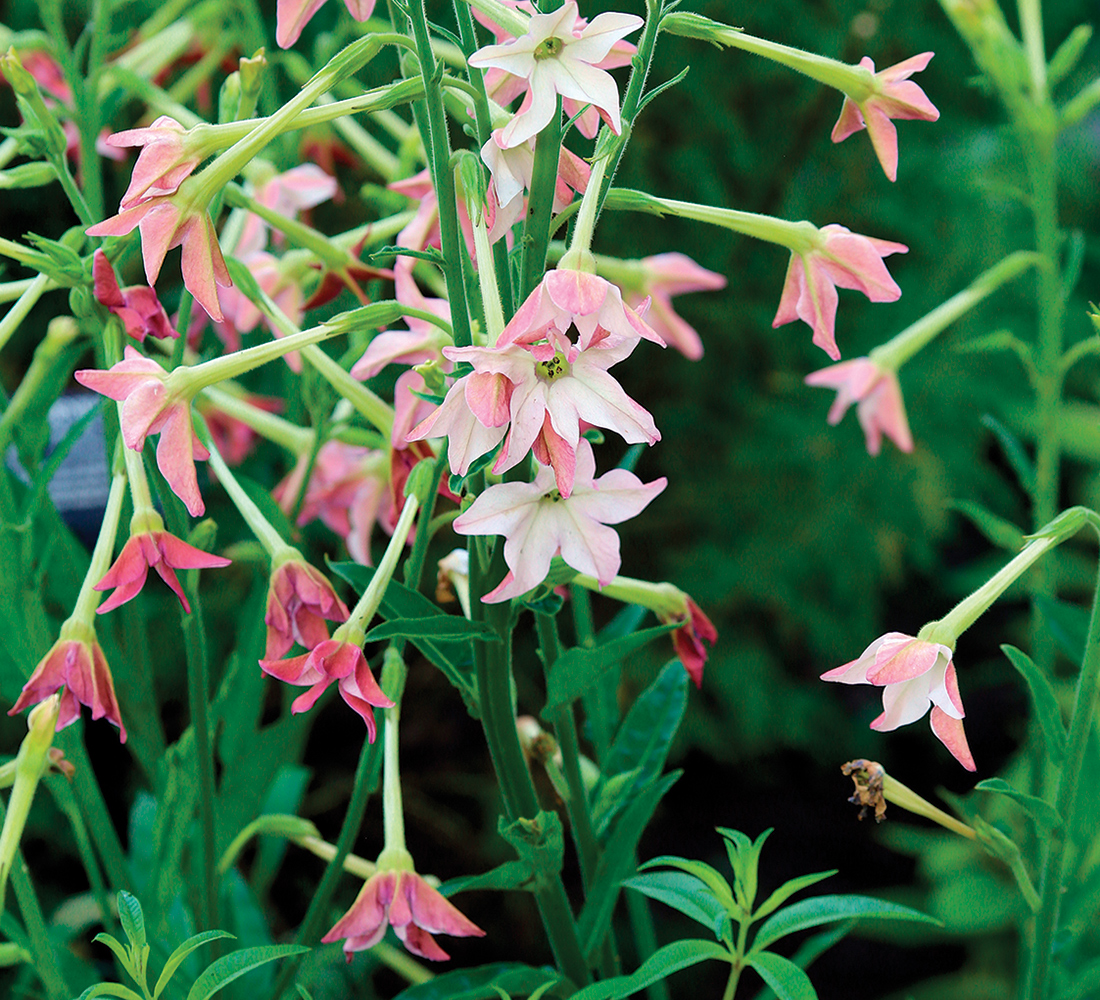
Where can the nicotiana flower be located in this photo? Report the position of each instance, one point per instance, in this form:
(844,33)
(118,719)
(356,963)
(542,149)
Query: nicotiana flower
(166,159)
(839,258)
(299,601)
(914,675)
(291,16)
(880,409)
(405,902)
(666,275)
(688,641)
(288,193)
(168,221)
(555,58)
(137,306)
(332,661)
(157,550)
(538,522)
(147,408)
(894,96)
(542,384)
(76,663)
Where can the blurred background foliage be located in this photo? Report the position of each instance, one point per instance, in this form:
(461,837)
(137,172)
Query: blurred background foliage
(800,546)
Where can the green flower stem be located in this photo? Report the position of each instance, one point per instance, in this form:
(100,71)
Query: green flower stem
(513,21)
(366,777)
(580,816)
(798,237)
(393,813)
(273,543)
(353,864)
(540,205)
(375,232)
(439,160)
(46,962)
(1031,28)
(899,349)
(66,802)
(370,406)
(297,440)
(145,516)
(1052,880)
(663,599)
(9,150)
(855,81)
(23,305)
(972,607)
(88,599)
(355,628)
(11,290)
(407,967)
(487,278)
(414,565)
(904,797)
(579,255)
(468,36)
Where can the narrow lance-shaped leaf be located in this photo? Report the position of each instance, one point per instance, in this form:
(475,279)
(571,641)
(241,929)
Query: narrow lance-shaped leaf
(788,889)
(825,909)
(786,979)
(233,966)
(1043,699)
(661,964)
(177,956)
(1042,812)
(682,892)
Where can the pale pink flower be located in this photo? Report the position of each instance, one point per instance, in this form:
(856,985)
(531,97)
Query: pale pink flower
(48,74)
(299,602)
(914,674)
(538,522)
(288,193)
(80,667)
(166,159)
(241,315)
(555,58)
(405,902)
(233,438)
(166,222)
(147,408)
(666,275)
(332,661)
(895,96)
(881,409)
(842,259)
(291,16)
(137,306)
(152,550)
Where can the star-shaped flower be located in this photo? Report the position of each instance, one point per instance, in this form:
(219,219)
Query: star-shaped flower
(556,58)
(881,409)
(894,96)
(137,306)
(842,259)
(914,674)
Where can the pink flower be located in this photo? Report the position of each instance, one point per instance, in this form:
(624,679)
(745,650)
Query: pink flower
(543,383)
(153,550)
(288,194)
(164,163)
(330,661)
(299,602)
(666,275)
(689,638)
(840,258)
(80,667)
(147,408)
(233,438)
(895,96)
(291,16)
(555,58)
(881,409)
(137,306)
(914,674)
(166,222)
(538,522)
(405,902)
(242,315)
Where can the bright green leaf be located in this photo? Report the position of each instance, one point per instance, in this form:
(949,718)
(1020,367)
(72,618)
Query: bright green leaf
(132,920)
(177,956)
(788,889)
(480,983)
(825,909)
(702,871)
(662,963)
(682,892)
(786,979)
(1043,699)
(437,627)
(235,965)
(1042,812)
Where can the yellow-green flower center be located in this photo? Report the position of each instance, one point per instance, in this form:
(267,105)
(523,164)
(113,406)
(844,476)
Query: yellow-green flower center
(554,368)
(548,48)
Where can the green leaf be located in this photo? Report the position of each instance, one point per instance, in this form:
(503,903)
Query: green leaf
(1068,624)
(235,965)
(1042,812)
(130,916)
(710,877)
(579,668)
(440,626)
(662,963)
(1004,534)
(480,983)
(510,875)
(1014,452)
(177,956)
(786,979)
(641,745)
(109,990)
(744,857)
(826,909)
(682,892)
(788,889)
(539,842)
(1044,701)
(120,951)
(617,863)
